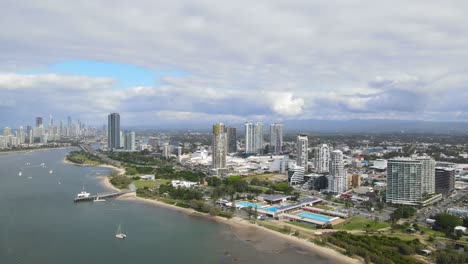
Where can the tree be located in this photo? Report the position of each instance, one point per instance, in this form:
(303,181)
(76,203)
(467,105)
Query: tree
(255,181)
(447,222)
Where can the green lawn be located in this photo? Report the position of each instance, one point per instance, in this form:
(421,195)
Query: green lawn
(303,225)
(359,223)
(263,177)
(324,207)
(142,183)
(261,188)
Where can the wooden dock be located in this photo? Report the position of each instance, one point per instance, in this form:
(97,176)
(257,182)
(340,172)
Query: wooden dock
(101,195)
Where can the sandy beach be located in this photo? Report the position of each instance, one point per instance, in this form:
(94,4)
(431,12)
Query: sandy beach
(263,239)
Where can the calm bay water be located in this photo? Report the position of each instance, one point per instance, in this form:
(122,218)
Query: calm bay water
(39,223)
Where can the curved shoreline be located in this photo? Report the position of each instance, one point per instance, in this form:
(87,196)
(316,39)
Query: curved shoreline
(240,224)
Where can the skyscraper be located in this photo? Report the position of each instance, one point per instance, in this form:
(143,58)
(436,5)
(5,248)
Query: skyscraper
(302,151)
(276,138)
(253,138)
(130,140)
(337,182)
(232,139)
(113,131)
(38,121)
(408,179)
(322,158)
(220,145)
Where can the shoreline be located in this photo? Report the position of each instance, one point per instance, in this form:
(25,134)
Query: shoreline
(239,224)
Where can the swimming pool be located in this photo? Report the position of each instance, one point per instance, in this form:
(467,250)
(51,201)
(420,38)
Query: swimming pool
(249,204)
(272,209)
(316,217)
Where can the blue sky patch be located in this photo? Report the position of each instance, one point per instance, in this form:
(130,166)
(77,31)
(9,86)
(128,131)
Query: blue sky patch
(125,75)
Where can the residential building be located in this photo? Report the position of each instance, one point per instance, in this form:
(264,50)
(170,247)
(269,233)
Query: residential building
(296,174)
(276,138)
(253,138)
(322,158)
(220,146)
(113,131)
(130,141)
(337,182)
(302,146)
(232,139)
(408,180)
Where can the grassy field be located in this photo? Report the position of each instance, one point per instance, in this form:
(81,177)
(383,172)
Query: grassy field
(303,225)
(81,159)
(359,223)
(324,207)
(142,183)
(266,177)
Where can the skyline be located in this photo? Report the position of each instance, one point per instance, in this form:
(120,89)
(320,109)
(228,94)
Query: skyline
(172,63)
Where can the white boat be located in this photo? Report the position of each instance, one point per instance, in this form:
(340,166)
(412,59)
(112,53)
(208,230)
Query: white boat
(83,194)
(119,233)
(30,177)
(51,171)
(20,173)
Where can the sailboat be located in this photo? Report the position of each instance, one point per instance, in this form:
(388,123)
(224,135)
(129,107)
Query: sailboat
(119,233)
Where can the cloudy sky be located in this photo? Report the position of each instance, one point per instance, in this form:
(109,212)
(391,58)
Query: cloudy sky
(231,61)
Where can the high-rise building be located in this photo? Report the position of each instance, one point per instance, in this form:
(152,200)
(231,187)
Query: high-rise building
(409,179)
(153,142)
(21,135)
(113,131)
(276,138)
(444,180)
(6,131)
(232,139)
(337,182)
(69,121)
(51,121)
(166,150)
(130,140)
(254,138)
(302,146)
(322,158)
(219,147)
(39,121)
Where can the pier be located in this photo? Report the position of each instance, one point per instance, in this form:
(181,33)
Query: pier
(101,195)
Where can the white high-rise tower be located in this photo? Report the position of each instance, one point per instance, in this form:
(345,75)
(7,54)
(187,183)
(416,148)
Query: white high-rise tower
(302,146)
(276,138)
(322,158)
(337,179)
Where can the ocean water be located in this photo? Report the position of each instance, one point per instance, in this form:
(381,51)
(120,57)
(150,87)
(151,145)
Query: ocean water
(39,223)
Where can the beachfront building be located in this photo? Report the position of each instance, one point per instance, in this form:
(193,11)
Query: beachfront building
(220,146)
(409,180)
(232,139)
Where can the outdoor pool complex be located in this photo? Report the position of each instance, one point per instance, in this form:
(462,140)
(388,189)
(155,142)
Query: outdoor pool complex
(316,217)
(248,204)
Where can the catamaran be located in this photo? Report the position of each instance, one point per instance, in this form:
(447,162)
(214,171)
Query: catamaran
(119,233)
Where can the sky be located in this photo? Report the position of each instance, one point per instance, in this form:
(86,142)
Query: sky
(177,62)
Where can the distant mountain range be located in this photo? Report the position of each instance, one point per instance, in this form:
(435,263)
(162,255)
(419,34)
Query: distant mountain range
(339,126)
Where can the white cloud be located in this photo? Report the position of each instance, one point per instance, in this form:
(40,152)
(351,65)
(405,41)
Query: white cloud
(269,59)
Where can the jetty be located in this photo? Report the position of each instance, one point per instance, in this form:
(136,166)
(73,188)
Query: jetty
(101,196)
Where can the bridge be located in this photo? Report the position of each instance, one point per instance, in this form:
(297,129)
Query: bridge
(102,195)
